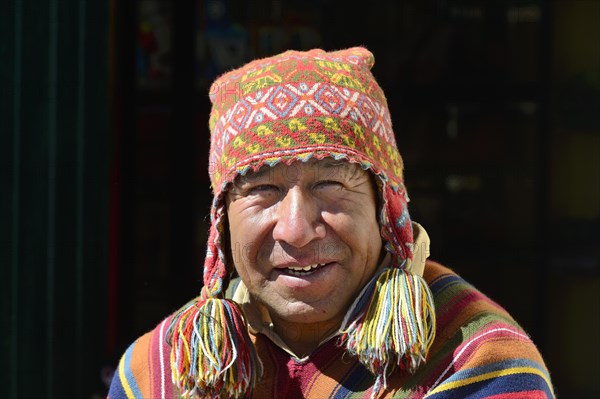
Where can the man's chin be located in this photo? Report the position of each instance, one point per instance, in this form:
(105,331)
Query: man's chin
(303,313)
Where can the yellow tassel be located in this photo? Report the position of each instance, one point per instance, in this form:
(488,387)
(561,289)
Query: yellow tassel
(397,328)
(212,355)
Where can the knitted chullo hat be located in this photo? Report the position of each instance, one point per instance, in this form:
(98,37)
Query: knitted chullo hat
(292,107)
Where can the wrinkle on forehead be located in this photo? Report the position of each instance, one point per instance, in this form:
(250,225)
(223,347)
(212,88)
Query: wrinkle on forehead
(324,168)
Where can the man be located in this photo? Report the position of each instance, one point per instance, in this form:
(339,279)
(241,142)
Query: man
(316,282)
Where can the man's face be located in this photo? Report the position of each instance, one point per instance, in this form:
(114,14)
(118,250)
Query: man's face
(305,237)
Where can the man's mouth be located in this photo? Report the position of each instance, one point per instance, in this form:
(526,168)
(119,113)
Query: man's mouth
(301,271)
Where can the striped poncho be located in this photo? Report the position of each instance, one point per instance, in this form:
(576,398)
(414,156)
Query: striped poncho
(479,352)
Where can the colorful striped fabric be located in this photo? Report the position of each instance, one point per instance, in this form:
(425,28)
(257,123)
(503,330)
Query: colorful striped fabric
(479,352)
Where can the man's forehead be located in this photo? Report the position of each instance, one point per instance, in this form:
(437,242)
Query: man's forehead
(317,167)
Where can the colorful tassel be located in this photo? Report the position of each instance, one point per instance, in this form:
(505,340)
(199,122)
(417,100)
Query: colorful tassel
(398,327)
(212,355)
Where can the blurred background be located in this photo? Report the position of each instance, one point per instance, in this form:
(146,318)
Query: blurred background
(105,190)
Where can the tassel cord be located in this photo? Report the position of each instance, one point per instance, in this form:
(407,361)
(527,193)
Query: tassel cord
(396,329)
(212,355)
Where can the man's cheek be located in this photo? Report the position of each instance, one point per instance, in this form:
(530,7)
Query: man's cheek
(242,254)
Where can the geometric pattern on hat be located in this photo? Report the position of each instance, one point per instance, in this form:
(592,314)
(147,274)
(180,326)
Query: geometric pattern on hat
(298,103)
(290,117)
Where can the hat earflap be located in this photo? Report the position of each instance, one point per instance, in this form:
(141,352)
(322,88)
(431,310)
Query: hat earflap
(212,355)
(393,323)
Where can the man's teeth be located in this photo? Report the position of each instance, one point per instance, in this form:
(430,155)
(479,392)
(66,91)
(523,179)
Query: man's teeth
(301,270)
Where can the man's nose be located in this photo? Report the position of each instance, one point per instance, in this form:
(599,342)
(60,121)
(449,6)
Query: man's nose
(298,219)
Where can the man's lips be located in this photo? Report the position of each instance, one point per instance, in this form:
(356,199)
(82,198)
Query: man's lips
(302,266)
(300,270)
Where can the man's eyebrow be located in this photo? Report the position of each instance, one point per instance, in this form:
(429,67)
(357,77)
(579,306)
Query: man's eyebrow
(328,164)
(331,163)
(342,166)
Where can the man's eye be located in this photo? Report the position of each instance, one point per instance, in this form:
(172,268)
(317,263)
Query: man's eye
(326,184)
(262,189)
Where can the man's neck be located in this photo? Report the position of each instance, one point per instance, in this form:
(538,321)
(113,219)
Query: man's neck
(304,338)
